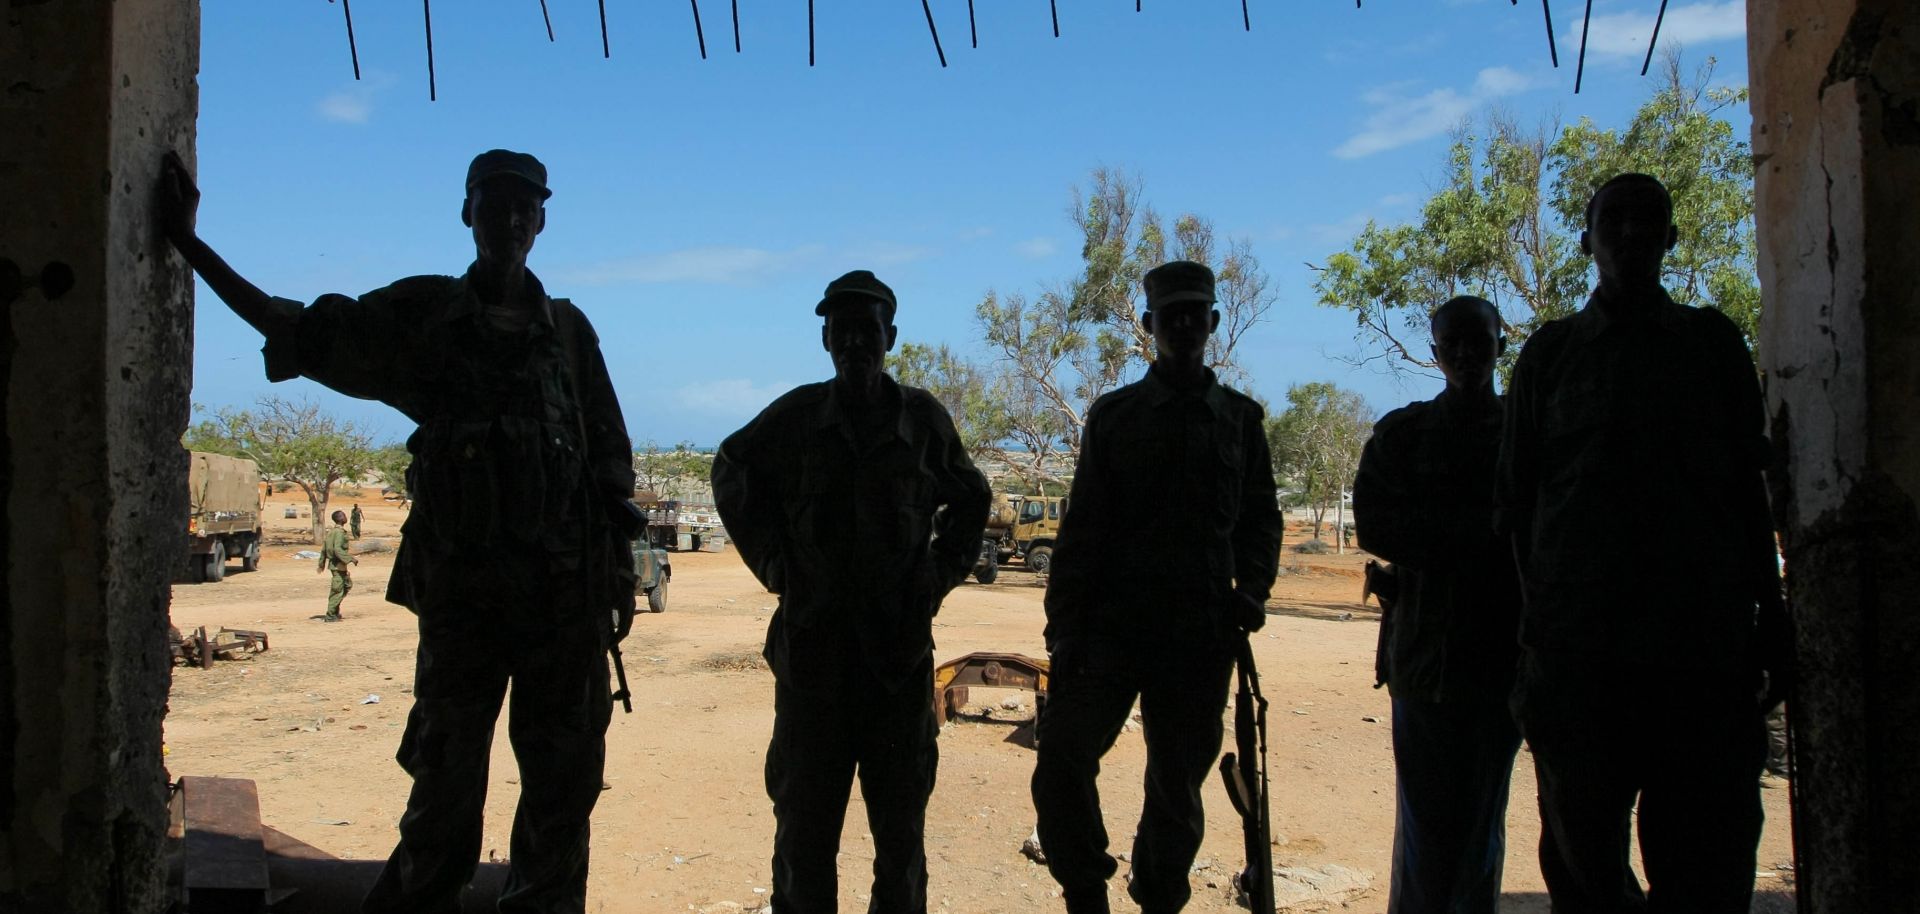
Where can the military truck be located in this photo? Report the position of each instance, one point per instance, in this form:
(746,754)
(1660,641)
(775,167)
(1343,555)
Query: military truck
(652,570)
(223,522)
(1020,527)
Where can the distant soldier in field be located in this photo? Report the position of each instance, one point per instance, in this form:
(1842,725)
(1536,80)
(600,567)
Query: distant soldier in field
(1150,604)
(854,501)
(1423,500)
(517,563)
(354,520)
(335,557)
(1636,404)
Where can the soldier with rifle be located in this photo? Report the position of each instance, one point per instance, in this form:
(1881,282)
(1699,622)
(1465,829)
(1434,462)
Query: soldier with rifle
(1170,639)
(516,560)
(1637,401)
(1423,500)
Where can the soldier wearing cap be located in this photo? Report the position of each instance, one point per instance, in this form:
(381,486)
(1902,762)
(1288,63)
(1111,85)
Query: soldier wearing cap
(514,553)
(855,502)
(1152,604)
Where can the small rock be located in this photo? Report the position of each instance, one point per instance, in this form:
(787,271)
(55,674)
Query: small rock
(1031,849)
(1012,703)
(1371,720)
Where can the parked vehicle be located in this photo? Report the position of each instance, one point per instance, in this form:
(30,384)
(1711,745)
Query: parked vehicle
(1024,527)
(652,571)
(223,498)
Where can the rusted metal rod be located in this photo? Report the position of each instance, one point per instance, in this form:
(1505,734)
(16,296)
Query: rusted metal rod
(606,50)
(1655,39)
(698,32)
(1580,68)
(346,6)
(433,91)
(925,8)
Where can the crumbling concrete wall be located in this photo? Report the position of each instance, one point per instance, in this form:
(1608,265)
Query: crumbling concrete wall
(95,360)
(1836,114)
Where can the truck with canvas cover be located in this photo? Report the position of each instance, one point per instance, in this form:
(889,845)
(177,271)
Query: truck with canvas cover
(223,523)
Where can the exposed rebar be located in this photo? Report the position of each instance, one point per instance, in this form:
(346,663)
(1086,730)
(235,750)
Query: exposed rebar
(433,91)
(1655,39)
(1580,66)
(698,32)
(925,8)
(346,6)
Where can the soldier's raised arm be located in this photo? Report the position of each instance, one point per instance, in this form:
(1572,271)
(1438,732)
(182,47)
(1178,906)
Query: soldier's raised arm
(179,204)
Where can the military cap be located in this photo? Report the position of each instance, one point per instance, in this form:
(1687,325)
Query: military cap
(1178,281)
(496,162)
(857,285)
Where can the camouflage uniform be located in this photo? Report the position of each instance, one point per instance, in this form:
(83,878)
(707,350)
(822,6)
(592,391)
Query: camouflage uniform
(1651,408)
(507,559)
(353,522)
(835,515)
(1423,500)
(335,557)
(1173,524)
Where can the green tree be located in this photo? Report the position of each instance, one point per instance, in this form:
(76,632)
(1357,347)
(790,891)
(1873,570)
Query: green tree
(973,396)
(1316,444)
(293,441)
(1505,223)
(679,473)
(391,461)
(1057,352)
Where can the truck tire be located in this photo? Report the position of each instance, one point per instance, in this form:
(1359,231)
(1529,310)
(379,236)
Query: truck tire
(1040,558)
(217,562)
(657,598)
(196,569)
(250,559)
(988,574)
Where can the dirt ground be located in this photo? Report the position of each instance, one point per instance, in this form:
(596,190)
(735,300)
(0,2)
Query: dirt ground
(686,825)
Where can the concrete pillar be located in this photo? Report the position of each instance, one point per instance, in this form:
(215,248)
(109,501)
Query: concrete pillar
(95,360)
(1836,124)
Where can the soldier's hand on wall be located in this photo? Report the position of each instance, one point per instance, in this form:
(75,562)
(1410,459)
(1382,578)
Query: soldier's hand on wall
(179,199)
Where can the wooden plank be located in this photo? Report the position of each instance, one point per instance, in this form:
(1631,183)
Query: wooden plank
(226,861)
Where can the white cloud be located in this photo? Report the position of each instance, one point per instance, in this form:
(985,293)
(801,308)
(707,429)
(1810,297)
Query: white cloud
(1626,34)
(730,398)
(741,266)
(1036,248)
(1399,117)
(348,107)
(884,254)
(718,264)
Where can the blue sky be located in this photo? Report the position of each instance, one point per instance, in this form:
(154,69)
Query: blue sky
(700,206)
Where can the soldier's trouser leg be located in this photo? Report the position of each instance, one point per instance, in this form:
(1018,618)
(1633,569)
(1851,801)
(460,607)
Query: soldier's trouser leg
(897,764)
(1181,704)
(1700,815)
(1688,747)
(337,591)
(809,773)
(1452,763)
(1091,689)
(459,681)
(558,726)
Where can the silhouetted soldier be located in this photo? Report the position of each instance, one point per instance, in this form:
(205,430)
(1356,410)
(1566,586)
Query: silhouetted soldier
(1644,653)
(1423,500)
(834,496)
(353,521)
(335,557)
(1152,603)
(521,467)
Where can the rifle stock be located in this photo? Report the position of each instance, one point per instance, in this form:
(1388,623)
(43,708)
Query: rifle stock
(1244,772)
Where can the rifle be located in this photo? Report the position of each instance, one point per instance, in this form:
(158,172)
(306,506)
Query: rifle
(1245,775)
(1382,582)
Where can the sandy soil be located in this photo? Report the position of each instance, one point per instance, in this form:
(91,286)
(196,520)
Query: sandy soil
(686,824)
